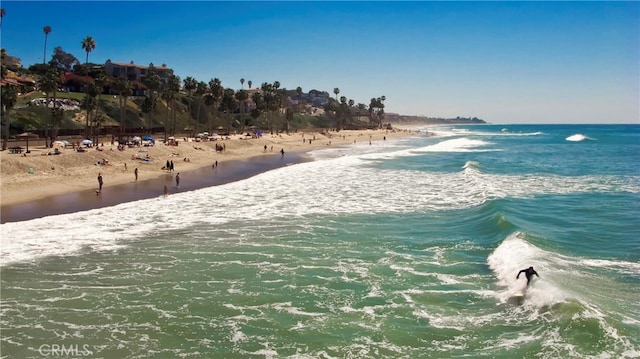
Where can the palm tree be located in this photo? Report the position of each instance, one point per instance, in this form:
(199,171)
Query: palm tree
(242,97)
(123,86)
(3,69)
(89,104)
(190,84)
(2,14)
(152,81)
(201,89)
(49,85)
(209,101)
(47,31)
(173,87)
(230,104)
(215,89)
(299,104)
(100,82)
(88,45)
(336,91)
(9,99)
(242,83)
(249,83)
(376,110)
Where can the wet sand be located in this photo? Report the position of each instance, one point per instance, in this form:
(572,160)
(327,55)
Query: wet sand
(225,172)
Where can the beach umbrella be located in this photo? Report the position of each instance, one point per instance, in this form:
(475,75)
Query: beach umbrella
(136,139)
(87,142)
(147,138)
(26,136)
(59,144)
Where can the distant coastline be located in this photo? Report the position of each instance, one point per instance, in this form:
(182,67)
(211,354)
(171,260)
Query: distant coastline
(404,119)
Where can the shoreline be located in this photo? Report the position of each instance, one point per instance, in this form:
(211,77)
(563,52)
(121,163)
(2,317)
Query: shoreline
(191,180)
(69,185)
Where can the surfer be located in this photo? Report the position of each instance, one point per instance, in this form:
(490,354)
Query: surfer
(528,272)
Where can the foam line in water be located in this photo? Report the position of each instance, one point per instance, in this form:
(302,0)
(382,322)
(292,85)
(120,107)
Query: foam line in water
(578,137)
(294,191)
(462,144)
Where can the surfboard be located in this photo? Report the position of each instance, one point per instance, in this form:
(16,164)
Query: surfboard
(517,298)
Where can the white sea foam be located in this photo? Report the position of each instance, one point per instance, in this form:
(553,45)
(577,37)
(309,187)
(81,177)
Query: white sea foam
(510,257)
(462,144)
(578,137)
(342,183)
(562,279)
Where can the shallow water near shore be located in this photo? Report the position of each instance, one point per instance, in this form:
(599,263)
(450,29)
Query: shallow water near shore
(404,249)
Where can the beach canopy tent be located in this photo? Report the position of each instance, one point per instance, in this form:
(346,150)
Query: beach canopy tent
(26,136)
(150,139)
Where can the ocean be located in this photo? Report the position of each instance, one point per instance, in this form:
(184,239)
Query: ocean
(396,249)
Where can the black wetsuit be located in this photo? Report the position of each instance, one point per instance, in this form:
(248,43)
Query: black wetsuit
(529,272)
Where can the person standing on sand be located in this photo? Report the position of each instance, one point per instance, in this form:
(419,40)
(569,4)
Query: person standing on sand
(178,180)
(100,183)
(135,172)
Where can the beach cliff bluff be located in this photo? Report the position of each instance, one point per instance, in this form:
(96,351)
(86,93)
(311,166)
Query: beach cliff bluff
(405,119)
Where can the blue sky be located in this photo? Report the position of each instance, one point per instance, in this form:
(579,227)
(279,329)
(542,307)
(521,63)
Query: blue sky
(505,62)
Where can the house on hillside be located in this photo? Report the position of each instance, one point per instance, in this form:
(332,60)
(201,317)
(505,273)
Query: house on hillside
(316,98)
(134,72)
(249,105)
(75,83)
(10,61)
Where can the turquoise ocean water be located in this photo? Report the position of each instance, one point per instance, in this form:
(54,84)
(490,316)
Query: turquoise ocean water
(399,249)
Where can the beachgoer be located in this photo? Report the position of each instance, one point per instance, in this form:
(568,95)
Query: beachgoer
(166,190)
(282,152)
(100,183)
(178,180)
(171,165)
(528,272)
(135,172)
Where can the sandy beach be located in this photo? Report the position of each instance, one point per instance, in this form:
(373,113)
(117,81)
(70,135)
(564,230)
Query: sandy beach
(40,184)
